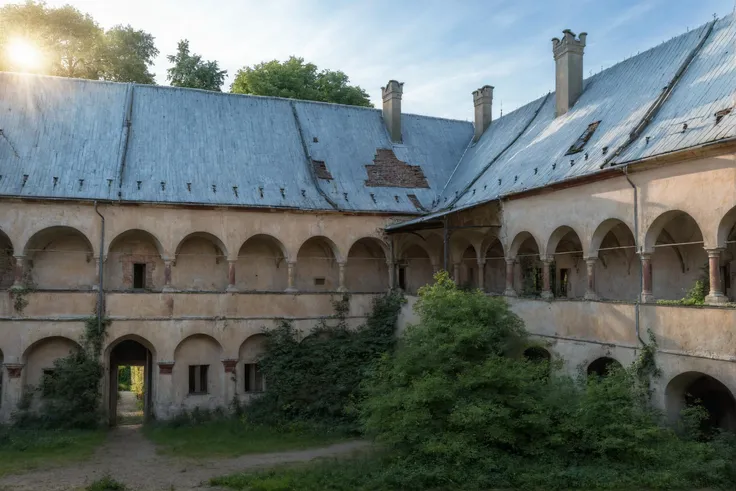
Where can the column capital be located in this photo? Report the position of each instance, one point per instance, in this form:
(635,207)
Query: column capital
(230,364)
(165,367)
(14,369)
(591,259)
(645,255)
(19,257)
(546,259)
(715,252)
(510,260)
(481,261)
(232,260)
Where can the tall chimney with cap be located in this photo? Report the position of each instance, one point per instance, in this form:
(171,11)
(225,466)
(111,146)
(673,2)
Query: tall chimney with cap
(483,102)
(392,108)
(568,54)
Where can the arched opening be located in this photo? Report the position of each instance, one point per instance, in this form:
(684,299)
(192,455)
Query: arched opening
(495,272)
(201,264)
(679,259)
(60,258)
(198,373)
(366,269)
(603,366)
(134,262)
(39,360)
(248,371)
(537,354)
(261,265)
(7,262)
(414,269)
(618,267)
(131,381)
(468,269)
(569,276)
(727,241)
(528,267)
(316,264)
(699,389)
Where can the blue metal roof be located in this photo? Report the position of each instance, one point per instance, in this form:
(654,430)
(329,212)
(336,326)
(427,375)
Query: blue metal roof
(76,139)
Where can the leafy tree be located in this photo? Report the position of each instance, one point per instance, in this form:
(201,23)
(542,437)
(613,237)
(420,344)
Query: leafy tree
(191,71)
(296,79)
(127,55)
(72,44)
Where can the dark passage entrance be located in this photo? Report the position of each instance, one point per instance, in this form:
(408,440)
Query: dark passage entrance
(603,366)
(698,389)
(130,383)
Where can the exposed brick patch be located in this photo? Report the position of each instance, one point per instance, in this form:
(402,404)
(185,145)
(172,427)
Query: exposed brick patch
(229,365)
(415,201)
(165,367)
(14,370)
(389,171)
(320,169)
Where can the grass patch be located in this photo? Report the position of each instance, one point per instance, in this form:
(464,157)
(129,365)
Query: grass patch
(232,437)
(23,450)
(106,484)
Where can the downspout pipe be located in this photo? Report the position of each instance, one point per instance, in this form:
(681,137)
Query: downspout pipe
(100,284)
(446,242)
(636,244)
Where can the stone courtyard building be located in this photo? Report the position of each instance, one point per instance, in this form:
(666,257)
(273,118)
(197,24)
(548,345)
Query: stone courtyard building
(198,218)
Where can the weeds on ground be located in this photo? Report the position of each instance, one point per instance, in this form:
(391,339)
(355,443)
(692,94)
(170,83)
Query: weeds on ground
(202,433)
(107,483)
(22,450)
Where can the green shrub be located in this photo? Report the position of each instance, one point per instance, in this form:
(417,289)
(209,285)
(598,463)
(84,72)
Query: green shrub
(107,483)
(317,380)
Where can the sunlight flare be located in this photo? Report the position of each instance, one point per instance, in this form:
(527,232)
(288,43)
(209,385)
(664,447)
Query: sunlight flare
(24,54)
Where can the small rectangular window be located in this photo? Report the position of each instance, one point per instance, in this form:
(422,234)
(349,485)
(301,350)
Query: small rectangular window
(319,281)
(583,139)
(139,275)
(198,379)
(253,378)
(402,278)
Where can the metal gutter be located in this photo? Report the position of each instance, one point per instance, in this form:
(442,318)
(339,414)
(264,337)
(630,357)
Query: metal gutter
(663,97)
(636,244)
(100,285)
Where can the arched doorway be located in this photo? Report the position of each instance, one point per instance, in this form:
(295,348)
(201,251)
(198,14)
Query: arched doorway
(603,366)
(131,382)
(569,277)
(537,354)
(698,389)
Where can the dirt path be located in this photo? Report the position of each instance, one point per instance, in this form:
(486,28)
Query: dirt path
(130,458)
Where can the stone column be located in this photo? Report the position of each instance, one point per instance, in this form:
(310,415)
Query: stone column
(12,388)
(290,265)
(590,293)
(341,277)
(646,275)
(231,275)
(230,386)
(391,274)
(164,390)
(715,295)
(481,273)
(546,288)
(167,275)
(510,292)
(435,268)
(18,271)
(456,273)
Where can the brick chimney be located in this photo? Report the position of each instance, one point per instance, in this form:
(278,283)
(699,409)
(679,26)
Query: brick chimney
(392,108)
(568,54)
(483,102)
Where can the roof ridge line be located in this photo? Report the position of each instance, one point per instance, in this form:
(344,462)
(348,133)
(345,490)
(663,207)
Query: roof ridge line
(663,97)
(499,154)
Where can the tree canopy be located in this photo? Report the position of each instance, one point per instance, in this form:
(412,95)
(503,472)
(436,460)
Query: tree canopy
(296,79)
(71,44)
(191,71)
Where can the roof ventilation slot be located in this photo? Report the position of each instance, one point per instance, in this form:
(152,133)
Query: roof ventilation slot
(605,150)
(189,187)
(81,184)
(722,113)
(235,191)
(56,181)
(25,179)
(283,192)
(139,184)
(214,188)
(396,198)
(163,186)
(109,183)
(260,191)
(499,181)
(373,197)
(304,193)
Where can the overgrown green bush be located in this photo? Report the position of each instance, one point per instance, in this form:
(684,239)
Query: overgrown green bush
(459,408)
(316,380)
(70,392)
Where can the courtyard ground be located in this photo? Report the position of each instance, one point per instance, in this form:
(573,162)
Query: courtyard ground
(128,457)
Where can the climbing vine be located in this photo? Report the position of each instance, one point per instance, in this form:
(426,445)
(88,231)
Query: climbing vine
(70,392)
(697,293)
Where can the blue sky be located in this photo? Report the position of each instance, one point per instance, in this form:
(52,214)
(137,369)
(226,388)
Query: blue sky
(441,50)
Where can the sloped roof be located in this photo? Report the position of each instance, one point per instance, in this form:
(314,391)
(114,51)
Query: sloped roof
(77,139)
(64,138)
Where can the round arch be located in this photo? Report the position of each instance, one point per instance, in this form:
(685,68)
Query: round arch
(369,238)
(317,267)
(603,366)
(366,269)
(248,370)
(60,257)
(270,239)
(561,233)
(130,350)
(40,356)
(7,261)
(537,354)
(492,242)
(206,236)
(45,235)
(604,228)
(697,388)
(198,375)
(338,256)
(261,264)
(64,339)
(725,227)
(130,337)
(519,240)
(136,231)
(657,227)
